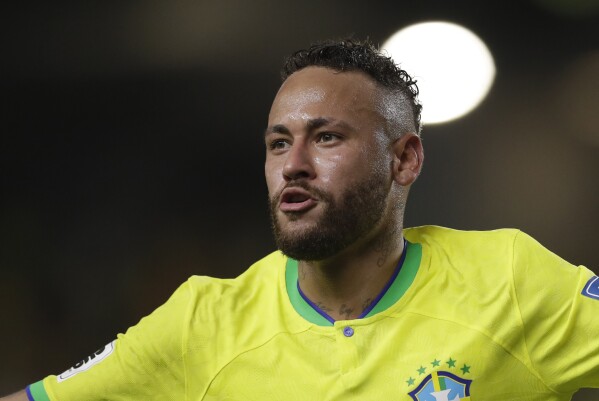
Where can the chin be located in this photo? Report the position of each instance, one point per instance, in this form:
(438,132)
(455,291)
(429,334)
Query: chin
(310,216)
(297,227)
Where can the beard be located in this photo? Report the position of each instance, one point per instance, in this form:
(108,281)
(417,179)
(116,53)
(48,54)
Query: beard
(341,223)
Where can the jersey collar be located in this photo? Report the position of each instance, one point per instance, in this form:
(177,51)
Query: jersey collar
(401,280)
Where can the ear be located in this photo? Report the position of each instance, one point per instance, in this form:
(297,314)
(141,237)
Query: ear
(408,156)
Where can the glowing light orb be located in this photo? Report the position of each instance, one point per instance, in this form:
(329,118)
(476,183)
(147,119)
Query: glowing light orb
(453,67)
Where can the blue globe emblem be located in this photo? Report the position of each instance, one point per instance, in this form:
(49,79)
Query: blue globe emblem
(442,386)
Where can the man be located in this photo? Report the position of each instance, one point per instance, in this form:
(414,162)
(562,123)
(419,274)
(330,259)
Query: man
(353,306)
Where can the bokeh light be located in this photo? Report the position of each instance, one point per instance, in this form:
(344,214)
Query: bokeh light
(453,67)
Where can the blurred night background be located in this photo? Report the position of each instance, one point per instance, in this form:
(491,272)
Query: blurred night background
(132,152)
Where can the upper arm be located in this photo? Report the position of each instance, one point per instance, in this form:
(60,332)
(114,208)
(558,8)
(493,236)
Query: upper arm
(560,323)
(144,363)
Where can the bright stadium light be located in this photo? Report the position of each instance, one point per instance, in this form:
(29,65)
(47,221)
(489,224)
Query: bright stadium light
(453,67)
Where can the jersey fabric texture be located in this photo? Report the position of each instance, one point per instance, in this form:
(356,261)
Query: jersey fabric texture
(471,315)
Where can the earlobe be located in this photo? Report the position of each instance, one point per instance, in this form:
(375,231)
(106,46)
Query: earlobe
(408,158)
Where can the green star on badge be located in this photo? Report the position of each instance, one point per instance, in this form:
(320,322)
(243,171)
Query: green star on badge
(410,381)
(421,370)
(465,369)
(436,362)
(451,363)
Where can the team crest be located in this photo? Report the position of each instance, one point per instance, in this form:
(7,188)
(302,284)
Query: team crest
(591,289)
(442,386)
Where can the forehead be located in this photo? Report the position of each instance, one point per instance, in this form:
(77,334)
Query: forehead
(322,92)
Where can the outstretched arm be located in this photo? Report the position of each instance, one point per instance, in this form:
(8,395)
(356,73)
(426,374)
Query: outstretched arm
(20,396)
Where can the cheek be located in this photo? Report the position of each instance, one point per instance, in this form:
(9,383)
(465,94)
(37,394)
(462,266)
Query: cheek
(377,157)
(272,175)
(354,168)
(330,168)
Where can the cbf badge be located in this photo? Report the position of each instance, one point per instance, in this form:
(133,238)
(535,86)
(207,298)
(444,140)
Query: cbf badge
(441,385)
(591,289)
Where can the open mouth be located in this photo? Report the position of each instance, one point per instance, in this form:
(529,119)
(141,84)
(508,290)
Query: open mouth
(296,200)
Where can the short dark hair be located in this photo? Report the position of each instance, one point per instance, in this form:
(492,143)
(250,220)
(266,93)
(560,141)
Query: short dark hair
(354,55)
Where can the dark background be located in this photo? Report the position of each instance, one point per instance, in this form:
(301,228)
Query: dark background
(131,153)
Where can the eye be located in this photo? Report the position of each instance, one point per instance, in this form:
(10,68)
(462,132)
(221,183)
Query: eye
(278,144)
(327,137)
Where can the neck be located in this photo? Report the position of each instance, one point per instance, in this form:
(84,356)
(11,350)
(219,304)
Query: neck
(345,285)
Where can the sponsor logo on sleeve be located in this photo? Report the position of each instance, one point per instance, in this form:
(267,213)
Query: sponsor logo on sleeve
(88,362)
(591,289)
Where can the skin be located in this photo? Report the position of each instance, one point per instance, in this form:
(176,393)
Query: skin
(350,144)
(20,396)
(332,158)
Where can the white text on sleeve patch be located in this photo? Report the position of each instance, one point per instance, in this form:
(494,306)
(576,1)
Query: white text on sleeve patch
(88,362)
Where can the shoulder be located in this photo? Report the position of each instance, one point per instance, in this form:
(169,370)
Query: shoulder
(439,233)
(227,317)
(471,265)
(476,261)
(507,255)
(251,293)
(460,242)
(261,275)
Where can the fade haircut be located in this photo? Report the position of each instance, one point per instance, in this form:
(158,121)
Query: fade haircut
(353,55)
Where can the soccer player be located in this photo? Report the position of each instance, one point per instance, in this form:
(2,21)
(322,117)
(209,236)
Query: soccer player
(353,306)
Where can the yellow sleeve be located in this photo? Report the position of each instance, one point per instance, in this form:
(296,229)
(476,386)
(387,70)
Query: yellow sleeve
(560,320)
(145,363)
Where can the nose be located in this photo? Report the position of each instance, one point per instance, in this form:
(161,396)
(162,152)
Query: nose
(299,163)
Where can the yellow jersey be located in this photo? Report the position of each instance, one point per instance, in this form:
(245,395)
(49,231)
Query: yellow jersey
(469,315)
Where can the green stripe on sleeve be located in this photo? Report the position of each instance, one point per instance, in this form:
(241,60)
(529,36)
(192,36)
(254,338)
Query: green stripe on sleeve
(38,392)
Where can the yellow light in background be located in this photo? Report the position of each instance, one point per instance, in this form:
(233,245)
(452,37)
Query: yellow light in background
(454,68)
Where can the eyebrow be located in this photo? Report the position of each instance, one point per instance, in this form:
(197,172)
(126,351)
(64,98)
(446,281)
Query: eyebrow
(317,123)
(312,124)
(277,129)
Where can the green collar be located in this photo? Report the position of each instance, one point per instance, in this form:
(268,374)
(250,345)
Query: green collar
(393,293)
